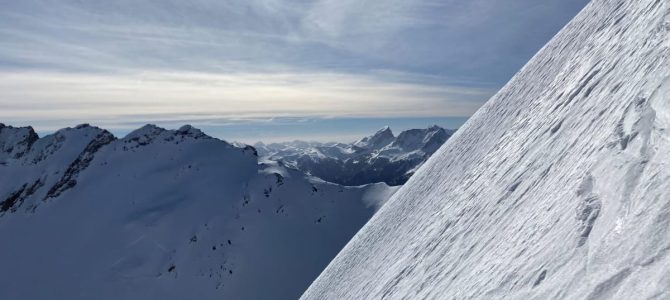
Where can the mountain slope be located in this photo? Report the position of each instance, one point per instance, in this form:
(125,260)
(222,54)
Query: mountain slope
(163,214)
(555,188)
(381,157)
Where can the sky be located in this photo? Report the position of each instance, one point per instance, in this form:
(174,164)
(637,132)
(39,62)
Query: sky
(264,70)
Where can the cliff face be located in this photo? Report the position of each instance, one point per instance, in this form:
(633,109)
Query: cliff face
(556,188)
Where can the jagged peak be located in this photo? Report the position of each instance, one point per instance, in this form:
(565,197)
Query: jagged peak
(18,129)
(432,128)
(385,129)
(81,127)
(415,137)
(379,139)
(191,131)
(187,127)
(146,130)
(16,141)
(245,147)
(151,131)
(382,132)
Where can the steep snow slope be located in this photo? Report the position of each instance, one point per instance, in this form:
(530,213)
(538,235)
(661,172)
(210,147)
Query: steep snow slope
(381,157)
(556,188)
(163,214)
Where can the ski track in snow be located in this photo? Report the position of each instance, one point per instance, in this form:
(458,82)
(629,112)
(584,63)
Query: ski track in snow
(557,188)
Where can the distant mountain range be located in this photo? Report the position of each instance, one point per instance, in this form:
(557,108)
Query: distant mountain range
(381,157)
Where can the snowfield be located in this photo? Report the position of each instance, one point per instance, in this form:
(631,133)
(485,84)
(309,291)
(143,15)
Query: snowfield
(163,214)
(557,188)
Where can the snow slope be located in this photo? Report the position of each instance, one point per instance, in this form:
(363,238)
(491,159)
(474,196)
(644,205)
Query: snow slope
(163,214)
(381,157)
(557,188)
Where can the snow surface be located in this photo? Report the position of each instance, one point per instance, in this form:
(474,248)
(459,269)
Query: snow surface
(381,157)
(163,214)
(557,188)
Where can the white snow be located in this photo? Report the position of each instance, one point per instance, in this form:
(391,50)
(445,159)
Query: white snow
(557,188)
(381,157)
(15,141)
(165,214)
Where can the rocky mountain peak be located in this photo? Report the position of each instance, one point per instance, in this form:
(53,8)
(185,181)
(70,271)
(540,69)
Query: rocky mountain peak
(16,141)
(381,138)
(191,131)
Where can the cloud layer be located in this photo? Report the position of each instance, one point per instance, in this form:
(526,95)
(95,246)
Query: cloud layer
(60,98)
(72,60)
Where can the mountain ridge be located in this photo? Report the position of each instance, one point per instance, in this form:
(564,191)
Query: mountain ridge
(380,157)
(554,189)
(170,214)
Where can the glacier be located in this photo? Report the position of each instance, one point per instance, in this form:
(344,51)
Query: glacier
(557,188)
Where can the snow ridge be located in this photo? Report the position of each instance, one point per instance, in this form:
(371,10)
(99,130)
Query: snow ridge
(555,189)
(164,214)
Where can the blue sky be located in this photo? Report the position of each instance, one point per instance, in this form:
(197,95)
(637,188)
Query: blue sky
(264,69)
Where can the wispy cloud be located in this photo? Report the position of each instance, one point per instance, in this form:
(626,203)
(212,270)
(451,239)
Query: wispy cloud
(479,40)
(71,61)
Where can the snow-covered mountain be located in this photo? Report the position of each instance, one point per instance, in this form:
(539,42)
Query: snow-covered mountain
(557,188)
(381,157)
(163,214)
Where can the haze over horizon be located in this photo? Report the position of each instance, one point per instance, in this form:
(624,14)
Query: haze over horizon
(264,70)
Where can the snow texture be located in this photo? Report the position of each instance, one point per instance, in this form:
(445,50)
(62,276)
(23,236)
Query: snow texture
(557,188)
(163,214)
